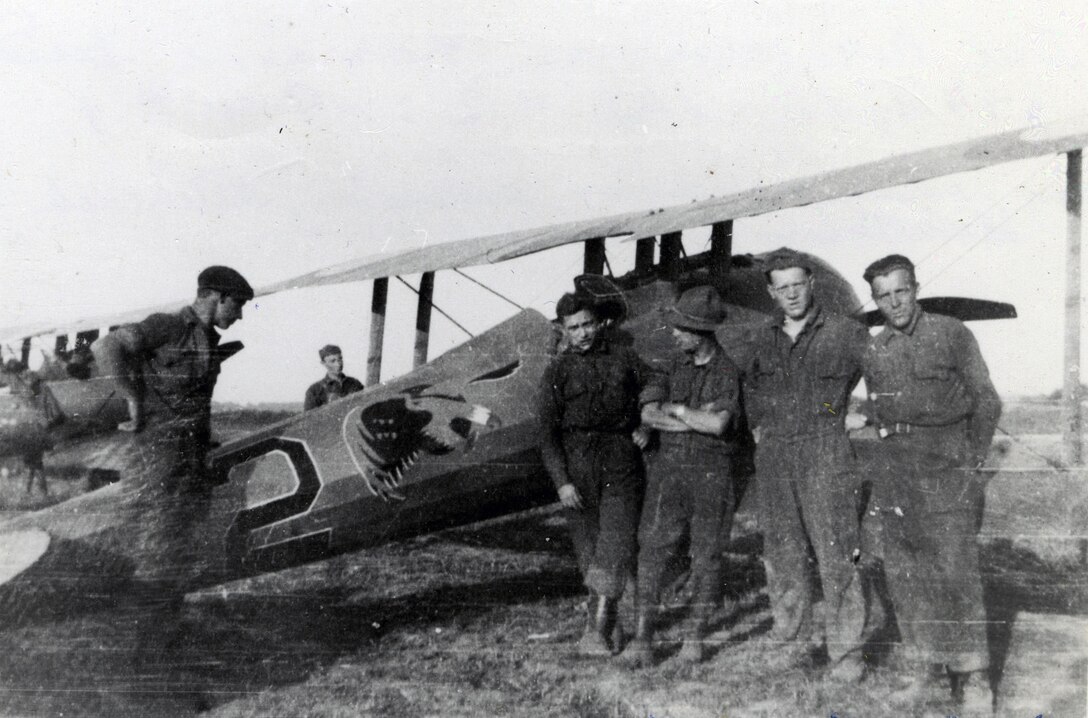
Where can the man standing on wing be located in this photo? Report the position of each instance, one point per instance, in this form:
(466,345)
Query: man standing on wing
(166,367)
(335,385)
(689,488)
(799,372)
(936,411)
(589,415)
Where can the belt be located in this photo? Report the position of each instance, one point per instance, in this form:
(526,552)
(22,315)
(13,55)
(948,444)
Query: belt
(902,427)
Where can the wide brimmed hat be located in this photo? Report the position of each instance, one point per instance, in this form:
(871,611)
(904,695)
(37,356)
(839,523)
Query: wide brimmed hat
(607,299)
(699,309)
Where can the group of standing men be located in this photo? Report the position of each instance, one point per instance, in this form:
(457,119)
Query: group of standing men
(829,524)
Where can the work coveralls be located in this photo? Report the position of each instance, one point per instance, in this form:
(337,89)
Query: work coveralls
(589,408)
(176,361)
(328,389)
(937,412)
(689,486)
(796,394)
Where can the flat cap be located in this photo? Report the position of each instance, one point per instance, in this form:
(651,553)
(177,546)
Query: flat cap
(785,259)
(884,265)
(699,309)
(328,350)
(225,280)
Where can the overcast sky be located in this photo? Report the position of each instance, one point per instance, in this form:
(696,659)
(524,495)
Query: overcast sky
(144,141)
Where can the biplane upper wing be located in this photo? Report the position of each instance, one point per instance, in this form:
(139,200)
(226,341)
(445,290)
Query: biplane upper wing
(759,199)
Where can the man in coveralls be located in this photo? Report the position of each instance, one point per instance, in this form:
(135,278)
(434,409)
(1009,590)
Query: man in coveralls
(799,372)
(589,414)
(936,411)
(166,367)
(689,487)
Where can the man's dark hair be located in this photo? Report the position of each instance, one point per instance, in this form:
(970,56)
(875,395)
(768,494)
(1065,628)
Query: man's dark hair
(785,259)
(887,265)
(572,303)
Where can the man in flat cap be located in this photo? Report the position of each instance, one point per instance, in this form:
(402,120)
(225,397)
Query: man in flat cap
(936,411)
(589,420)
(798,374)
(689,486)
(335,385)
(166,367)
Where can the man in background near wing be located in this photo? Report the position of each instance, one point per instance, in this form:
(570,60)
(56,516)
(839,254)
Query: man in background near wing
(335,385)
(166,367)
(799,372)
(589,421)
(937,411)
(689,486)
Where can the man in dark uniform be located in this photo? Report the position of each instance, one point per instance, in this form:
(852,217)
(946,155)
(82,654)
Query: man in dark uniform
(937,411)
(799,372)
(166,367)
(336,383)
(589,415)
(689,487)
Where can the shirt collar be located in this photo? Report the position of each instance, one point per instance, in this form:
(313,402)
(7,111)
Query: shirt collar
(890,331)
(815,319)
(190,318)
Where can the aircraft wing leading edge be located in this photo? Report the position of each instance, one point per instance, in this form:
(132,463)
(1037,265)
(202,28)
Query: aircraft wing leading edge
(759,199)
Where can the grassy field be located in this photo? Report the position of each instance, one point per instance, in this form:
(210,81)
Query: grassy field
(476,621)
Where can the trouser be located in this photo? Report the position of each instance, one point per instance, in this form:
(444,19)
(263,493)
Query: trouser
(689,495)
(808,511)
(606,469)
(165,491)
(927,510)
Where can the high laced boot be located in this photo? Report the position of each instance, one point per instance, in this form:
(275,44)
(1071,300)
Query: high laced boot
(640,652)
(694,648)
(600,620)
(972,695)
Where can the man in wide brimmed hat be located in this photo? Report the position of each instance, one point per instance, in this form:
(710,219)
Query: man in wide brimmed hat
(689,489)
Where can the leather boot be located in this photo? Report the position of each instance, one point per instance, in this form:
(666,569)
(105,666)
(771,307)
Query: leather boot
(972,695)
(694,648)
(600,620)
(920,683)
(640,652)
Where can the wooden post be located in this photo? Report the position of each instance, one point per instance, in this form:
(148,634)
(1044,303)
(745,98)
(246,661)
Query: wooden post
(60,344)
(423,318)
(377,331)
(1072,422)
(644,255)
(670,256)
(721,248)
(26,352)
(593,262)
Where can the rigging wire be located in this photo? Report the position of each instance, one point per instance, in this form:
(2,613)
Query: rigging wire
(493,291)
(437,308)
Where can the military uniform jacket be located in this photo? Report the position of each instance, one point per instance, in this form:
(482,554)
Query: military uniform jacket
(801,388)
(179,363)
(932,374)
(326,390)
(714,386)
(584,394)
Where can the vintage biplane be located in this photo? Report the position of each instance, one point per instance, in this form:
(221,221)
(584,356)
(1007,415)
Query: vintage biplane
(453,441)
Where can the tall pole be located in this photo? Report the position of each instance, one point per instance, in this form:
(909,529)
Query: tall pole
(423,318)
(1071,420)
(377,331)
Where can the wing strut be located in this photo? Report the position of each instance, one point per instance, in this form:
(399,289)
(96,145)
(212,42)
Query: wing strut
(671,244)
(593,262)
(721,247)
(377,331)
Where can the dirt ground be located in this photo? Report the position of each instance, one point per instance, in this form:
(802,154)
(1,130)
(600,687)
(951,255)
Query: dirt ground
(480,621)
